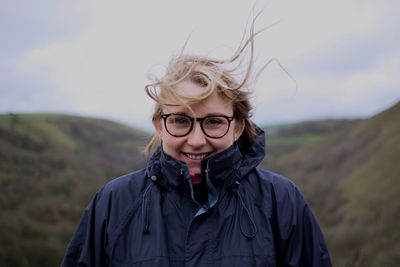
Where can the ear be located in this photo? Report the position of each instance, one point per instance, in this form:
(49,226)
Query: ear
(239,128)
(157,123)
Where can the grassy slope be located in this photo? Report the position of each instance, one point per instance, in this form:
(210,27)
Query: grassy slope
(50,166)
(282,140)
(351,178)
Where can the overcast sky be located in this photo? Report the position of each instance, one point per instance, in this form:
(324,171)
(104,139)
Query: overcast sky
(93,57)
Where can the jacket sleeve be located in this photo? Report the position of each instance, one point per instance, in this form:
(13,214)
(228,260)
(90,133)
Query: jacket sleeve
(301,242)
(87,246)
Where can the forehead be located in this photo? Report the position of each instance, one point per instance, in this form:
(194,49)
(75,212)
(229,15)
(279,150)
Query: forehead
(213,104)
(189,89)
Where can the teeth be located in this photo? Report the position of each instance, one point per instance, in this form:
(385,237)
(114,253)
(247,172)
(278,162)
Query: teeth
(196,156)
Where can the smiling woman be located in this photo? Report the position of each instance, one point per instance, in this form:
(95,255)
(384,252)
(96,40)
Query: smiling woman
(201,200)
(186,140)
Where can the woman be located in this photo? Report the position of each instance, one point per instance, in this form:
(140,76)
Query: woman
(201,200)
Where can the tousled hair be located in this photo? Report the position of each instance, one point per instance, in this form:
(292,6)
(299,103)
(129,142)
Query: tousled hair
(213,76)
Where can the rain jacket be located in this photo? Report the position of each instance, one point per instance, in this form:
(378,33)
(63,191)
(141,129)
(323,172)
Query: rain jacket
(150,217)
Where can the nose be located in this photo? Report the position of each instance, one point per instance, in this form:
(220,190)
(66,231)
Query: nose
(196,137)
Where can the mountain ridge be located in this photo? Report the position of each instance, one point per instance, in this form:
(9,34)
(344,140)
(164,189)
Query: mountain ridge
(52,164)
(351,178)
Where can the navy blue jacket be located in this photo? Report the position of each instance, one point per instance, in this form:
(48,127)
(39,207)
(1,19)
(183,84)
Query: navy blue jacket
(150,217)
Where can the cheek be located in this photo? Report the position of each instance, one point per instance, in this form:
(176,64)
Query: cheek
(223,143)
(171,145)
(167,141)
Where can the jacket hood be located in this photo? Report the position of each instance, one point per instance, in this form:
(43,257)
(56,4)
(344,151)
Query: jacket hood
(170,173)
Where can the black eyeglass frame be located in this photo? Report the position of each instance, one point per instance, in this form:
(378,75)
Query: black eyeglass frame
(200,120)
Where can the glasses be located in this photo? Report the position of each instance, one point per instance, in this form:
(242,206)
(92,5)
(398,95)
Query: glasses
(179,125)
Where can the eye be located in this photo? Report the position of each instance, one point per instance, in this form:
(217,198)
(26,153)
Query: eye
(214,122)
(179,120)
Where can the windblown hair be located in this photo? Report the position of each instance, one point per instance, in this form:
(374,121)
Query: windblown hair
(214,76)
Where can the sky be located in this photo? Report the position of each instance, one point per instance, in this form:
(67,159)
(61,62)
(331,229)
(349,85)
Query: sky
(340,58)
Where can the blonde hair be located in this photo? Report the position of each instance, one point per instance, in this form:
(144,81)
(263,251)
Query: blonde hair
(214,76)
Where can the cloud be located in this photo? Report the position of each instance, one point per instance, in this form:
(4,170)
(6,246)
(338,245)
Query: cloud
(104,69)
(360,93)
(341,54)
(344,57)
(26,26)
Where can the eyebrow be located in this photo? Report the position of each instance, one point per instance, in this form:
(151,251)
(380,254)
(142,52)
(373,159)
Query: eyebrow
(188,113)
(207,115)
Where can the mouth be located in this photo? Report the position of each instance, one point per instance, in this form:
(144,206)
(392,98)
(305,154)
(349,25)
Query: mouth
(198,156)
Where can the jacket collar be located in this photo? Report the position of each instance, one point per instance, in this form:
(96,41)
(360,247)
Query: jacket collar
(170,173)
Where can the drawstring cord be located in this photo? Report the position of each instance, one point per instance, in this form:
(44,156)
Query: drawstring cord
(232,186)
(244,211)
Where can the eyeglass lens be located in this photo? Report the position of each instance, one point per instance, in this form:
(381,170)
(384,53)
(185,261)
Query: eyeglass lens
(212,126)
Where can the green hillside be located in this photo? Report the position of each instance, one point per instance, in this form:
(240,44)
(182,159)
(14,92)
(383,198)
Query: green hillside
(351,178)
(50,167)
(285,138)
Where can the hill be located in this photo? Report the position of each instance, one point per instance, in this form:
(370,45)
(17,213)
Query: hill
(351,178)
(50,167)
(286,138)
